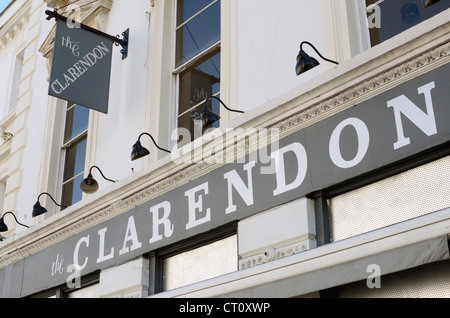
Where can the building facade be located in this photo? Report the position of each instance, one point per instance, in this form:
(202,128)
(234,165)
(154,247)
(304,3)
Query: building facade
(324,177)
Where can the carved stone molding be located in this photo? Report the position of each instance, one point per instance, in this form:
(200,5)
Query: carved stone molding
(152,188)
(14,26)
(273,254)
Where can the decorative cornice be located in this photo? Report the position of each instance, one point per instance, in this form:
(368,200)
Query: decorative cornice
(14,26)
(100,213)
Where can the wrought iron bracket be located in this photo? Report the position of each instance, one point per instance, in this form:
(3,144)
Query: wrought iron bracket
(123,42)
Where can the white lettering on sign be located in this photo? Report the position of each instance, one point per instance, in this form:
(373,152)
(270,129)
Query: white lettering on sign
(76,253)
(363,143)
(77,70)
(197,205)
(101,251)
(164,221)
(425,121)
(58,265)
(234,181)
(73,46)
(131,235)
(291,166)
(302,166)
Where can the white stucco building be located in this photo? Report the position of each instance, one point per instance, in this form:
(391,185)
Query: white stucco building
(331,182)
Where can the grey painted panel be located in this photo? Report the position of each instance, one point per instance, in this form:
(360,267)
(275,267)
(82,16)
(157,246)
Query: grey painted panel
(81,67)
(175,216)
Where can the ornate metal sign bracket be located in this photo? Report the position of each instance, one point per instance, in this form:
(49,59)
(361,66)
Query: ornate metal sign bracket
(122,42)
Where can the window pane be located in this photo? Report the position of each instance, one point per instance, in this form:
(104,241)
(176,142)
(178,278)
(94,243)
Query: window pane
(71,192)
(213,260)
(75,159)
(77,120)
(400,15)
(196,85)
(198,34)
(73,173)
(402,197)
(86,292)
(188,8)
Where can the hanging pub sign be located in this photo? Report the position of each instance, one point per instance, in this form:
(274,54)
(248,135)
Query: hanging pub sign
(81,66)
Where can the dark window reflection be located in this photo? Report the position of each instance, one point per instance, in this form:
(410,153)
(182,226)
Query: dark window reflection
(397,16)
(77,120)
(75,145)
(74,172)
(199,33)
(196,85)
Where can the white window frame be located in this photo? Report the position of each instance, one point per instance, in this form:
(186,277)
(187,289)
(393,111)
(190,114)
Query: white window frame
(180,69)
(66,145)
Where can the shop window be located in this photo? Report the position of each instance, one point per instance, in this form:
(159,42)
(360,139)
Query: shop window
(86,287)
(197,259)
(74,149)
(197,61)
(410,194)
(388,18)
(201,263)
(90,291)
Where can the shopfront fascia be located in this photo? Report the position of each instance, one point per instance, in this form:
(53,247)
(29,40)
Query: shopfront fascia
(384,120)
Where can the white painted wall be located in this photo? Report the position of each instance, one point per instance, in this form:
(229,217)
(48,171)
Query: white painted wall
(269,37)
(30,115)
(125,121)
(35,125)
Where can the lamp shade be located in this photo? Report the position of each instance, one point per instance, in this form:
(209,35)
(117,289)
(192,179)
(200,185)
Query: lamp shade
(138,151)
(305,62)
(38,209)
(3,226)
(208,117)
(89,185)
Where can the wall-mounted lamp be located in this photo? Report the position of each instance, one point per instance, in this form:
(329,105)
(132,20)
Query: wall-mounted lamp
(90,185)
(3,226)
(427,3)
(140,152)
(305,62)
(38,209)
(209,117)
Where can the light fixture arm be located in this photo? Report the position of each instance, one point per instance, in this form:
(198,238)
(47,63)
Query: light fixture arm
(14,218)
(231,110)
(139,139)
(328,60)
(63,206)
(90,173)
